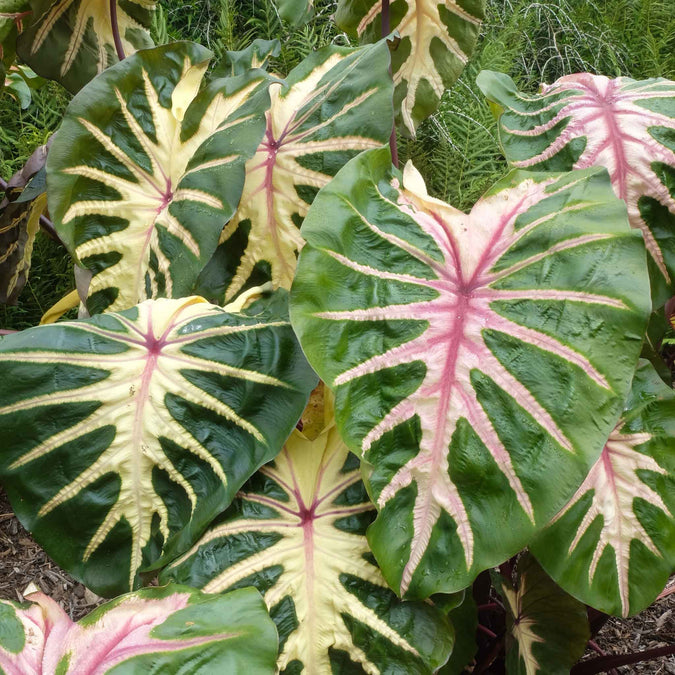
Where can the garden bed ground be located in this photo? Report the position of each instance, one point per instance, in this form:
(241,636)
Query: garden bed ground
(22,561)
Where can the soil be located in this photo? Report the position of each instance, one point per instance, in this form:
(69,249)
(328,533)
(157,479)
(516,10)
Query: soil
(23,562)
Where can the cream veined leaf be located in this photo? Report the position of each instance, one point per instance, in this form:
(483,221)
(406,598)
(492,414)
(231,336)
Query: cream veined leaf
(547,630)
(71,41)
(147,168)
(297,533)
(479,360)
(436,40)
(124,435)
(153,630)
(332,106)
(613,544)
(625,125)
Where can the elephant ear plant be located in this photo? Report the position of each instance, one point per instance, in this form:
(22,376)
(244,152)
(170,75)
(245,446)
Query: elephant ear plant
(485,452)
(624,125)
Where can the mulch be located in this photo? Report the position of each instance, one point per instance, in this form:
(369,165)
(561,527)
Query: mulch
(23,562)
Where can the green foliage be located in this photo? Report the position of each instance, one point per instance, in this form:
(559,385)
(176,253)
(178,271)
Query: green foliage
(480,361)
(231,25)
(457,147)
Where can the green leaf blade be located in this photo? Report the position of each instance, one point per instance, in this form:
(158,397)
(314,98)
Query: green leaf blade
(332,106)
(71,41)
(297,533)
(588,120)
(611,546)
(436,40)
(147,167)
(455,384)
(171,629)
(154,417)
(547,630)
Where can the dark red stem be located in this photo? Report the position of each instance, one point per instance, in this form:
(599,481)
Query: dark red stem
(116,30)
(386,29)
(604,663)
(668,590)
(487,631)
(598,650)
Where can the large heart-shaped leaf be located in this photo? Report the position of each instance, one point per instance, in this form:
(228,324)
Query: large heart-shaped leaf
(147,168)
(436,40)
(126,434)
(479,361)
(613,545)
(547,630)
(335,104)
(168,630)
(297,533)
(625,125)
(72,41)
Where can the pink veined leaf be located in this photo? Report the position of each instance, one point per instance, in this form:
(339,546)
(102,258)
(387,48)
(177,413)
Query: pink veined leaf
(479,315)
(586,120)
(623,514)
(130,627)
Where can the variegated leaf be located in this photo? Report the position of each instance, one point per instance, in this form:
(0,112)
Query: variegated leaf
(436,39)
(479,361)
(613,545)
(19,223)
(625,125)
(147,168)
(297,533)
(335,104)
(124,435)
(168,630)
(20,210)
(547,630)
(71,41)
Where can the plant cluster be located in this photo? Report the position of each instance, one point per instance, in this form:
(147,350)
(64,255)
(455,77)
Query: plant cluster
(325,411)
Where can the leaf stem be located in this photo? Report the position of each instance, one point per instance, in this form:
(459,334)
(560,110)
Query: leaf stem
(116,30)
(604,663)
(487,631)
(386,29)
(596,648)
